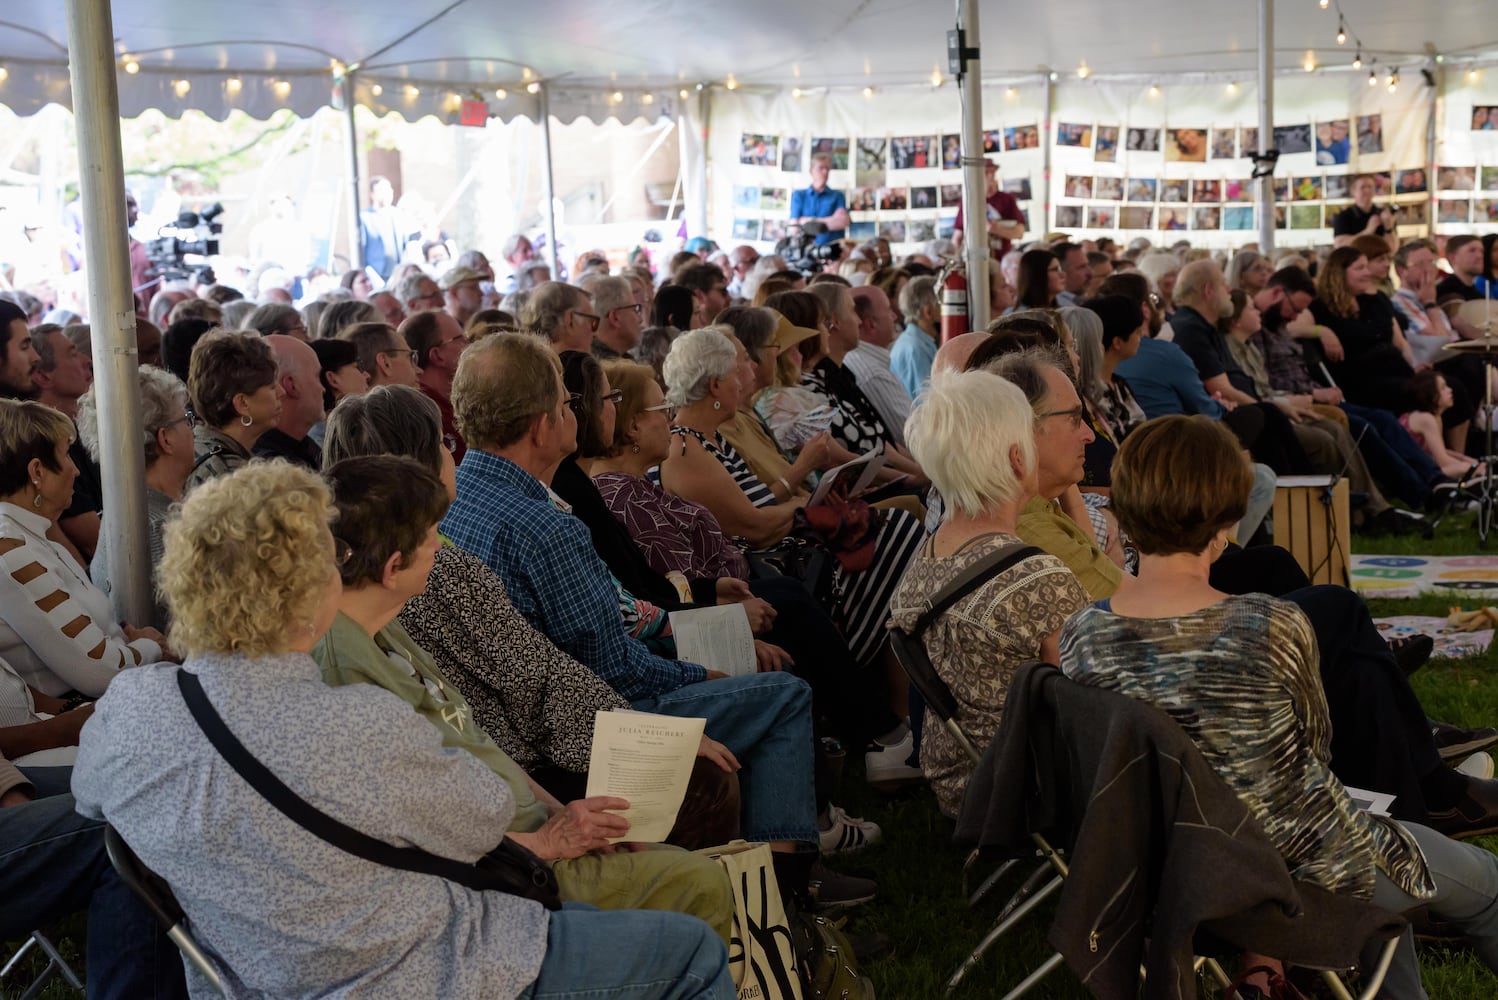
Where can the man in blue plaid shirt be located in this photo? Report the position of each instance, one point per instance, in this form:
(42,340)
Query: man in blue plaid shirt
(513,411)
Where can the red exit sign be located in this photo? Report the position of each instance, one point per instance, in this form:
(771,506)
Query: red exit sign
(475,113)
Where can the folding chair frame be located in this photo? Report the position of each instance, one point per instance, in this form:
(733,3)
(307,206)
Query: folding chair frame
(56,965)
(160,901)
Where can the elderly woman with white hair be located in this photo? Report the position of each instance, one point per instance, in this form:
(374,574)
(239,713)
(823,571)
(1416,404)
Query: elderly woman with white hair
(974,434)
(168,443)
(1161,268)
(708,374)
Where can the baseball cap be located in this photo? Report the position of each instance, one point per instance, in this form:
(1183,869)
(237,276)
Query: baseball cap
(456,276)
(699,243)
(787,334)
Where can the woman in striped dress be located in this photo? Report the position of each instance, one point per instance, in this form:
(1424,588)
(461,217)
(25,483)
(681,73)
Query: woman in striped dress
(708,374)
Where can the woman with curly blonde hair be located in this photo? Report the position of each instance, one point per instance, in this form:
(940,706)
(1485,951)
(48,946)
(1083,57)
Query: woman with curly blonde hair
(252,572)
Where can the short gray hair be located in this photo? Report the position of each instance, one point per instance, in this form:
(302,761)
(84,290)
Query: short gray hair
(697,357)
(608,292)
(341,315)
(504,382)
(916,295)
(962,434)
(386,420)
(163,398)
(409,287)
(1156,265)
(41,342)
(1026,369)
(274,317)
(548,303)
(237,312)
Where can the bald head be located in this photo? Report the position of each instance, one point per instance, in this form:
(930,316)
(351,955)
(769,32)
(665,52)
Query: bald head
(952,356)
(298,373)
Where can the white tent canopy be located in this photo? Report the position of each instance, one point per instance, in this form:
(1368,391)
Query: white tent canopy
(602,56)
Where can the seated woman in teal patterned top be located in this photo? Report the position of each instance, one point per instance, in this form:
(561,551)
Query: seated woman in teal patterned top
(1239,674)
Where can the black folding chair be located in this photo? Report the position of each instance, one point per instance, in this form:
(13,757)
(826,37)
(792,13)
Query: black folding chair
(157,895)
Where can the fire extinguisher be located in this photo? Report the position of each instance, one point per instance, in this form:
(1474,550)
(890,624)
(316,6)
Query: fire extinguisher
(953,301)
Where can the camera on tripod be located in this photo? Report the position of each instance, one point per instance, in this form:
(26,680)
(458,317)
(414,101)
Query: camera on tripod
(802,253)
(194,235)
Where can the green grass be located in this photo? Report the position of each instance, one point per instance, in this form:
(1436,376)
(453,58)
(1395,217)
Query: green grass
(923,907)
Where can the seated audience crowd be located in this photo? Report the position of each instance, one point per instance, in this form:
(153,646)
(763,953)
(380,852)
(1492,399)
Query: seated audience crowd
(409,539)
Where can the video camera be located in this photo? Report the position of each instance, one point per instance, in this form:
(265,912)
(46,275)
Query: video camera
(194,234)
(801,252)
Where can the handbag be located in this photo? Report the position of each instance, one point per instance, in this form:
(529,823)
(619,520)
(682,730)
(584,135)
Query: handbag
(1280,988)
(508,868)
(829,969)
(798,559)
(762,949)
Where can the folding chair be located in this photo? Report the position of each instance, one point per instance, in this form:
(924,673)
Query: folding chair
(56,965)
(157,895)
(1069,787)
(911,654)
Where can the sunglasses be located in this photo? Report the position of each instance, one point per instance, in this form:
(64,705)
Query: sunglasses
(593,320)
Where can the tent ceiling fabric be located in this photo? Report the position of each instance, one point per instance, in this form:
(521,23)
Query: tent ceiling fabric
(596,48)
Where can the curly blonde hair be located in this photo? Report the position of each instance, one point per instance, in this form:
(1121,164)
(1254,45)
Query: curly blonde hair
(247,559)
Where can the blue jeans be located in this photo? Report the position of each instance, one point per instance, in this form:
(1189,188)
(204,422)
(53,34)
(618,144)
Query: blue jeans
(1466,879)
(630,954)
(52,863)
(1394,457)
(765,720)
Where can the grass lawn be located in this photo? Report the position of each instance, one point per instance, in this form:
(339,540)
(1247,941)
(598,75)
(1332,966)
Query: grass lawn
(921,902)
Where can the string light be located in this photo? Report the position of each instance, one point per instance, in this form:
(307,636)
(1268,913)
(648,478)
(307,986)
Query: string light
(501,93)
(868,92)
(377,90)
(1310,63)
(647,98)
(412,90)
(131,66)
(1372,78)
(795,93)
(617,97)
(1232,88)
(1154,90)
(1471,75)
(683,93)
(1357,60)
(181,87)
(233,85)
(534,87)
(525,73)
(1341,31)
(936,78)
(281,88)
(1083,72)
(1393,80)
(4,74)
(731,83)
(1325,4)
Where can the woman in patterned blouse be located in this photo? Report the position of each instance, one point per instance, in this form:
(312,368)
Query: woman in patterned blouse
(1240,676)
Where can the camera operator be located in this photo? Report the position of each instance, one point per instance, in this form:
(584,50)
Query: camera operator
(1006,221)
(821,204)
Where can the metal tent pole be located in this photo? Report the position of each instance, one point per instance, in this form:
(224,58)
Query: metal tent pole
(1264,193)
(1046,138)
(101,168)
(548,184)
(351,135)
(974,201)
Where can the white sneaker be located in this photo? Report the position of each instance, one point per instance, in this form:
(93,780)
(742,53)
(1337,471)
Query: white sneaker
(1479,765)
(885,765)
(847,833)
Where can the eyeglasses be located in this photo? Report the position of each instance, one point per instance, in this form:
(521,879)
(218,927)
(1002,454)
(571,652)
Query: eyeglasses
(637,307)
(413,355)
(342,552)
(574,400)
(593,320)
(1075,414)
(186,418)
(616,397)
(668,408)
(450,442)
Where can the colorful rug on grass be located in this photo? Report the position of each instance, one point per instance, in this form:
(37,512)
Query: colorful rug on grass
(1465,578)
(1449,642)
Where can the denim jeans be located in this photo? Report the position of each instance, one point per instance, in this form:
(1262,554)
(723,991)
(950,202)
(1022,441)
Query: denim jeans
(630,954)
(1393,456)
(1466,880)
(765,720)
(52,863)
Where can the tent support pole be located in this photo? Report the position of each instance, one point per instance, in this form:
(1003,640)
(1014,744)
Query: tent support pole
(1048,137)
(351,135)
(101,167)
(548,185)
(1264,191)
(1431,139)
(974,198)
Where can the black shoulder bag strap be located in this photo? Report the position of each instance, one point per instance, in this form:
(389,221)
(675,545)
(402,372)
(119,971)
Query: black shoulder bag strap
(971,579)
(530,877)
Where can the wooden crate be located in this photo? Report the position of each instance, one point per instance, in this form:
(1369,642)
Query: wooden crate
(1311,522)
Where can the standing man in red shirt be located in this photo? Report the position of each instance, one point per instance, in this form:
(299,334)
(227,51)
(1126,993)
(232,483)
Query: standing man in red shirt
(1006,223)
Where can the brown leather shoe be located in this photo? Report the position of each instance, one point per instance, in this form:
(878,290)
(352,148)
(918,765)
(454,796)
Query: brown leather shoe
(1475,815)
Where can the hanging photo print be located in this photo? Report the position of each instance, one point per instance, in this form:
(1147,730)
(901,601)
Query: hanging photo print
(1108,188)
(835,148)
(1078,186)
(1456,178)
(1485,118)
(759,150)
(1370,134)
(1106,148)
(951,152)
(1136,217)
(790,154)
(1068,134)
(1333,145)
(912,152)
(1145,140)
(1022,137)
(1290,139)
(1224,144)
(1186,145)
(868,167)
(1141,189)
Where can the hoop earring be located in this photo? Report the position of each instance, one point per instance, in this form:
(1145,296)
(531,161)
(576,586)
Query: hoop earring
(634,449)
(245,421)
(717,405)
(36,501)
